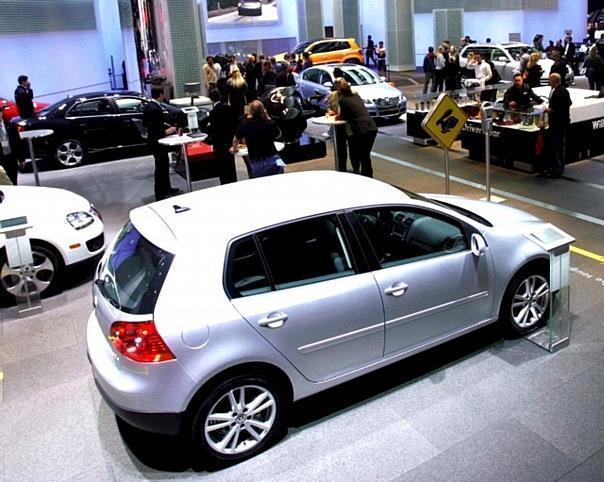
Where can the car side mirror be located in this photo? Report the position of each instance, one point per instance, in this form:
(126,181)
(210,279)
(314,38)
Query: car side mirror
(543,55)
(503,59)
(477,244)
(383,78)
(328,84)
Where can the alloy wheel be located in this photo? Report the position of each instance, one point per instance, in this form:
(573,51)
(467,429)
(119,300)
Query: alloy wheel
(36,278)
(240,419)
(530,301)
(70,153)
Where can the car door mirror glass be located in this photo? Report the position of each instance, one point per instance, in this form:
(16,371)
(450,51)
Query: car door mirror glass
(328,84)
(478,244)
(502,59)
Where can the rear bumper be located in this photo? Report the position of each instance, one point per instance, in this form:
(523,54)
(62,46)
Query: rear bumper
(164,423)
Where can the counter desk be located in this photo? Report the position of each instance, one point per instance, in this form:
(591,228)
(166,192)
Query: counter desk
(522,147)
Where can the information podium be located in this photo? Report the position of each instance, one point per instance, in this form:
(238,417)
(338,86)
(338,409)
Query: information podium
(556,334)
(20,261)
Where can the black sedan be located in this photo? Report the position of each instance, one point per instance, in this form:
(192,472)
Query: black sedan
(92,122)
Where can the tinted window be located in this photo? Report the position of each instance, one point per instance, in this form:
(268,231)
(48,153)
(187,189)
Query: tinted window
(134,273)
(91,107)
(325,77)
(312,75)
(306,252)
(400,235)
(323,47)
(343,45)
(245,273)
(129,105)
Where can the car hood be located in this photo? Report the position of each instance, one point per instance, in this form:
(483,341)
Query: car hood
(41,205)
(495,213)
(376,91)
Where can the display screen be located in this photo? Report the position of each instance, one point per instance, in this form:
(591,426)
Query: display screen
(241,12)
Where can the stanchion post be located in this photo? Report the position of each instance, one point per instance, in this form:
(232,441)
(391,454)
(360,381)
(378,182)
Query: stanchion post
(487,125)
(34,164)
(447,187)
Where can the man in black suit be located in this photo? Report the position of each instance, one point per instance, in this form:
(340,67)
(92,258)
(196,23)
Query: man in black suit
(559,66)
(24,96)
(220,126)
(153,119)
(559,120)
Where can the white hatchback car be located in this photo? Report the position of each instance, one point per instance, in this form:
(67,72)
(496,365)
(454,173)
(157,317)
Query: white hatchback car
(66,229)
(214,310)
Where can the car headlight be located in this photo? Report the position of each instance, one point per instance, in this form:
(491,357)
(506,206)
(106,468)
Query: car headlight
(80,219)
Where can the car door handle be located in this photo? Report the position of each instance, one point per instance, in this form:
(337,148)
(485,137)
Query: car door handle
(273,320)
(397,289)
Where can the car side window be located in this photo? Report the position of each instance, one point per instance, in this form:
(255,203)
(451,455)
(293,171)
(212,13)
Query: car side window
(305,252)
(90,108)
(312,75)
(498,53)
(401,235)
(129,105)
(325,77)
(246,275)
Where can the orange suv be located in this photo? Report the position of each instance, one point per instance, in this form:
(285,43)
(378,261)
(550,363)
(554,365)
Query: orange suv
(329,50)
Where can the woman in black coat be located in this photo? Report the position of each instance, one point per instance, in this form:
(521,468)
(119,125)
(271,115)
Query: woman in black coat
(362,132)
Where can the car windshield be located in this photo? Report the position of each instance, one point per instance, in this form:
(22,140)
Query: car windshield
(517,52)
(361,77)
(134,273)
(301,47)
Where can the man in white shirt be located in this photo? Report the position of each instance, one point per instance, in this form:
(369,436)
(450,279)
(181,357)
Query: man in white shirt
(483,73)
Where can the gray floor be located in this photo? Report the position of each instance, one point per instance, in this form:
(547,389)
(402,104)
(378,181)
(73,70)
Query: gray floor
(479,408)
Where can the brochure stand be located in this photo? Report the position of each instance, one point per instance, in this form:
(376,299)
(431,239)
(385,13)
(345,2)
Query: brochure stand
(20,261)
(556,334)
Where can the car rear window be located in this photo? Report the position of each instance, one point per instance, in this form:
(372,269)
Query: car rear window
(134,273)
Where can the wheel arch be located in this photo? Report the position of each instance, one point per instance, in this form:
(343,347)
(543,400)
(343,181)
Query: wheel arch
(539,264)
(267,370)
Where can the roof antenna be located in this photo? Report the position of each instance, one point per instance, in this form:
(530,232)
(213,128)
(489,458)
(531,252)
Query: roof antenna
(180,209)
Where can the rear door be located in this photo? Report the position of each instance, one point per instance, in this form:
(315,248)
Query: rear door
(92,122)
(298,286)
(430,282)
(310,84)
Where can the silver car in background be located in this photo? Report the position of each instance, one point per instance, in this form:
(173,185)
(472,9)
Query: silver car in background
(506,59)
(212,315)
(380,98)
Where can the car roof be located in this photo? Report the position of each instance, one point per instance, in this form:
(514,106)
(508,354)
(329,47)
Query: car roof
(216,215)
(499,44)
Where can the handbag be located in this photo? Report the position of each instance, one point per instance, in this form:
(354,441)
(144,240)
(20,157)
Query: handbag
(267,166)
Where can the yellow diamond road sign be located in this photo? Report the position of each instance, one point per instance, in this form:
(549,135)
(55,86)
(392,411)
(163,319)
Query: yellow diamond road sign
(444,121)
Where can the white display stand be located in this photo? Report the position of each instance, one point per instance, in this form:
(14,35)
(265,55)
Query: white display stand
(183,140)
(556,334)
(20,259)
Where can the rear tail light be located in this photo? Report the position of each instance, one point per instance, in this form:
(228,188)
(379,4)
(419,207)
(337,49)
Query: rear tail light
(21,128)
(139,341)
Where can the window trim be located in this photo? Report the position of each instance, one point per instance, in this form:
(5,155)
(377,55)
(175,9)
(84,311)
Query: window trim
(79,102)
(367,245)
(351,245)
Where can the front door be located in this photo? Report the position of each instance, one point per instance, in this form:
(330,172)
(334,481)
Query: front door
(430,282)
(311,305)
(92,123)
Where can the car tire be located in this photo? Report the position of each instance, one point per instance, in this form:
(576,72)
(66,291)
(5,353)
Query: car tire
(45,274)
(525,305)
(228,430)
(70,153)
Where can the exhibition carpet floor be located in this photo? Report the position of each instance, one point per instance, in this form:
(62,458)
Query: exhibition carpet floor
(479,408)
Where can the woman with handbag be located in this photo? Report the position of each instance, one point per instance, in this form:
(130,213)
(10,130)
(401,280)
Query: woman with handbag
(258,131)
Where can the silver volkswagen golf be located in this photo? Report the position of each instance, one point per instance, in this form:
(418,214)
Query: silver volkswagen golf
(215,310)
